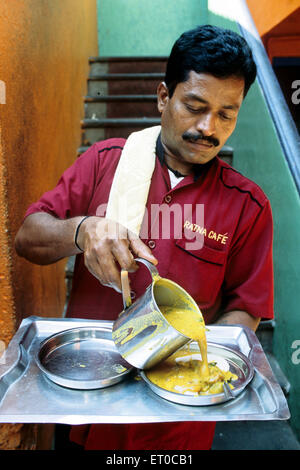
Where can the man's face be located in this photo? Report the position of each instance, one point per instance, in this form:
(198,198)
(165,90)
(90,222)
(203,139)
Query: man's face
(200,116)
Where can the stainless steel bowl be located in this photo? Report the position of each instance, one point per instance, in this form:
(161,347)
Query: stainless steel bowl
(82,358)
(239,364)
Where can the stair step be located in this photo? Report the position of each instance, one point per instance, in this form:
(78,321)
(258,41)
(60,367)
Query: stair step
(120,98)
(116,109)
(94,130)
(124,84)
(121,106)
(119,122)
(92,60)
(100,65)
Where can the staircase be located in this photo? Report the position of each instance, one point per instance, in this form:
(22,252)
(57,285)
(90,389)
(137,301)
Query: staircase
(122,98)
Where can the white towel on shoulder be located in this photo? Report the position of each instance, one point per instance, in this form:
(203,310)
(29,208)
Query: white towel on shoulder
(129,191)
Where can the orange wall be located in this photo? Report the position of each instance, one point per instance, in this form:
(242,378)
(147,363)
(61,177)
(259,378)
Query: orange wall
(268,13)
(277,23)
(44,51)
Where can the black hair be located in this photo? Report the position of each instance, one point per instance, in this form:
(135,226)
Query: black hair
(210,49)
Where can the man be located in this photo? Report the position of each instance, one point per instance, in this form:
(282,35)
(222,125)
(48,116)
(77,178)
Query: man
(209,72)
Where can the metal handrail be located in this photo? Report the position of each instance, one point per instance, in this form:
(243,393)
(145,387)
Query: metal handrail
(284,124)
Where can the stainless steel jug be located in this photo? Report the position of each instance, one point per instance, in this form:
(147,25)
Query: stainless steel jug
(141,333)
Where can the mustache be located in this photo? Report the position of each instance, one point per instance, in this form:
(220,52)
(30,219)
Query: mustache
(195,137)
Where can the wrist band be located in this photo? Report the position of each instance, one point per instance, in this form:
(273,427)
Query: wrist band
(77,231)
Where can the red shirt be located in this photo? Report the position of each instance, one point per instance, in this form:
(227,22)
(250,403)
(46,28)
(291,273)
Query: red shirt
(232,271)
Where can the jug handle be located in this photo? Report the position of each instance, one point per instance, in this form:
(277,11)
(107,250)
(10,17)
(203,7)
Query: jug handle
(125,289)
(125,281)
(151,267)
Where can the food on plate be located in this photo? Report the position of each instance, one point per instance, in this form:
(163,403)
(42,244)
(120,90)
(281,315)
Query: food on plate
(186,371)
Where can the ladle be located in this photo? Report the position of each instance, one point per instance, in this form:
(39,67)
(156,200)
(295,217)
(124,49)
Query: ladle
(227,391)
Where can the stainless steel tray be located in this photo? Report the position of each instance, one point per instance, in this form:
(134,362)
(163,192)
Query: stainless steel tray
(237,363)
(28,396)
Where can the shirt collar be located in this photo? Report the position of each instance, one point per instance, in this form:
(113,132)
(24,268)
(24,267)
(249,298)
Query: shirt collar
(198,169)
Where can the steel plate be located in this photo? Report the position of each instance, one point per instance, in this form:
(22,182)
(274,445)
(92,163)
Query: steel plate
(82,358)
(238,364)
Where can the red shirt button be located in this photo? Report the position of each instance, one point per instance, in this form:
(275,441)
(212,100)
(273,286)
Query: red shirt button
(151,244)
(168,198)
(132,295)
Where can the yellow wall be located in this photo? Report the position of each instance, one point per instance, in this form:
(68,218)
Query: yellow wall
(44,51)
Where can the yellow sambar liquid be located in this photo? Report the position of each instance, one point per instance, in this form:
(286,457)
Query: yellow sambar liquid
(190,323)
(181,375)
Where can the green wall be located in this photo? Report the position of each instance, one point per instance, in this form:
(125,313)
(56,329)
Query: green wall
(145,27)
(149,27)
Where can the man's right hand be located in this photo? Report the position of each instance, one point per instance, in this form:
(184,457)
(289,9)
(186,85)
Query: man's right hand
(44,239)
(109,247)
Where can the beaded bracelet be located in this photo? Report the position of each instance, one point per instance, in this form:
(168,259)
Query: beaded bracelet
(77,231)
